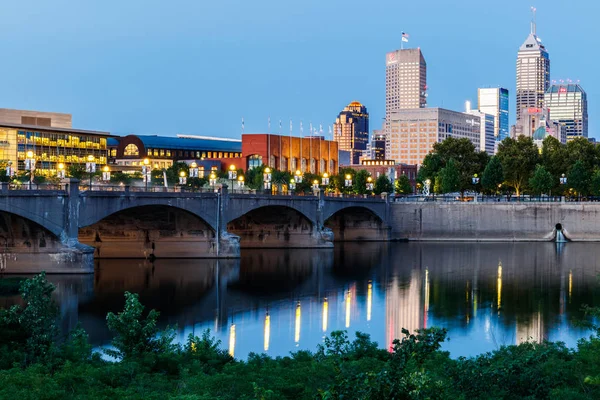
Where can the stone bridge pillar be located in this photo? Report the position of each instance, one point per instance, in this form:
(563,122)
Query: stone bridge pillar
(71,224)
(320,231)
(228,245)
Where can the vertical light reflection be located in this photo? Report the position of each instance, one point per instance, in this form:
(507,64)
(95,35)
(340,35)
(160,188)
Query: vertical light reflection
(426,308)
(348,300)
(232,340)
(267,331)
(297,327)
(499,285)
(369,300)
(570,284)
(325,314)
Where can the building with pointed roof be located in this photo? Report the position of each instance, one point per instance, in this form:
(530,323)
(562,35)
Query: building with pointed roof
(533,73)
(351,130)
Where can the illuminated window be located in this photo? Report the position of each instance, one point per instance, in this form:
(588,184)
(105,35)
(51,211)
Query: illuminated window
(162,152)
(254,161)
(113,152)
(131,150)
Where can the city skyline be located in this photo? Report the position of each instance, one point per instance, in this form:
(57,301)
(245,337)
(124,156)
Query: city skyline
(113,71)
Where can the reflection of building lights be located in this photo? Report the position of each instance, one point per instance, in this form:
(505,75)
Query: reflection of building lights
(325,314)
(369,299)
(426,308)
(348,309)
(267,331)
(232,340)
(297,330)
(499,285)
(570,284)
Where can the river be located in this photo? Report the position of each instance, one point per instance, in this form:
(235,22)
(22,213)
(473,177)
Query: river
(278,301)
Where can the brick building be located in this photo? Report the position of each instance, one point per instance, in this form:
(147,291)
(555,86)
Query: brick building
(289,153)
(385,167)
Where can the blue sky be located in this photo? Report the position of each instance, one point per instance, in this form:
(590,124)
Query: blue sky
(196,67)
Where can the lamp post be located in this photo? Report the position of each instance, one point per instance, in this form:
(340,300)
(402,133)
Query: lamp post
(232,174)
(193,170)
(182,178)
(426,187)
(292,185)
(348,181)
(325,179)
(298,176)
(146,172)
(315,185)
(369,184)
(563,179)
(30,166)
(475,181)
(267,178)
(60,173)
(212,180)
(240,182)
(106,174)
(90,167)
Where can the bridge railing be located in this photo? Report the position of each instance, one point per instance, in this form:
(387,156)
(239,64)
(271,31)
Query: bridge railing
(5,186)
(143,189)
(496,199)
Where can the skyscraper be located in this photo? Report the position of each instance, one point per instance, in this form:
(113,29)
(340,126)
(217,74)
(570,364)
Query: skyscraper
(405,80)
(533,72)
(494,101)
(351,130)
(567,105)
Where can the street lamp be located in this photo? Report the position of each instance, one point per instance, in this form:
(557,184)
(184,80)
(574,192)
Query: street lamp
(298,176)
(182,178)
(30,166)
(369,184)
(193,170)
(60,173)
(315,185)
(348,181)
(325,180)
(563,179)
(292,185)
(475,179)
(90,167)
(10,171)
(146,172)
(267,178)
(426,187)
(240,182)
(212,179)
(232,174)
(106,174)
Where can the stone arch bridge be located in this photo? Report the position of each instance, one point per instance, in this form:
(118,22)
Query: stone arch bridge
(133,224)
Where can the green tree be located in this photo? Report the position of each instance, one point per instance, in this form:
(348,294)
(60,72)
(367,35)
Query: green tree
(579,178)
(360,182)
(403,185)
(554,159)
(120,177)
(468,161)
(382,185)
(542,181)
(581,149)
(518,159)
(492,175)
(449,178)
(595,182)
(134,335)
(77,171)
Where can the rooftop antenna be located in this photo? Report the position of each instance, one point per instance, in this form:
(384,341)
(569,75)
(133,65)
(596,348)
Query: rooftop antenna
(533,23)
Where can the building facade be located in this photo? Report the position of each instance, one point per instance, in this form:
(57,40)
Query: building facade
(405,80)
(487,140)
(50,147)
(311,154)
(533,73)
(36,118)
(351,130)
(377,146)
(536,124)
(494,101)
(412,133)
(388,168)
(163,151)
(567,104)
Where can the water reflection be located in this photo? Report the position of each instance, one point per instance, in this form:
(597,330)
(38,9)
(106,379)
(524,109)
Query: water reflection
(277,301)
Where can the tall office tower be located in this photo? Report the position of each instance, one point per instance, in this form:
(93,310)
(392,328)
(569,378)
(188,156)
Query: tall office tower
(405,80)
(377,145)
(533,72)
(351,130)
(567,105)
(494,101)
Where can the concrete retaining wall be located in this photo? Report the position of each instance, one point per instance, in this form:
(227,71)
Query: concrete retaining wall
(494,222)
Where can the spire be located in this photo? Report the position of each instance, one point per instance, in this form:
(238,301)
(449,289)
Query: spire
(533,23)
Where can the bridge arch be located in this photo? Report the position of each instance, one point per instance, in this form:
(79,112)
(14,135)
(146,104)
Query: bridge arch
(356,223)
(21,234)
(52,220)
(275,226)
(306,208)
(151,231)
